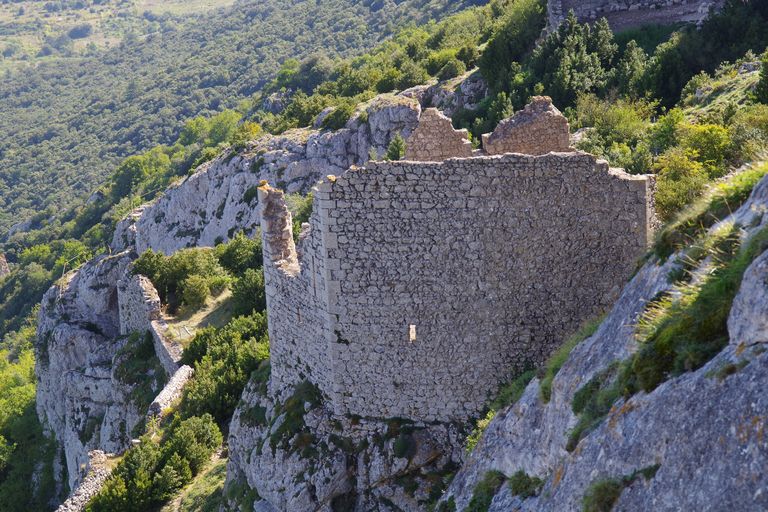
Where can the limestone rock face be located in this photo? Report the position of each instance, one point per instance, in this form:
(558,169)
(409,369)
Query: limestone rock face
(79,399)
(333,463)
(703,430)
(220,199)
(452,96)
(748,321)
(536,130)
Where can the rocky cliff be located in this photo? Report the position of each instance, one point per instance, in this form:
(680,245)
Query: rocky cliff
(220,199)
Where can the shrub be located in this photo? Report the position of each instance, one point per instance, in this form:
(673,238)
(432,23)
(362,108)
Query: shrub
(484,491)
(601,495)
(248,293)
(157,469)
(711,144)
(525,486)
(194,291)
(452,69)
(664,134)
(513,36)
(396,149)
(173,275)
(474,437)
(223,360)
(338,117)
(681,180)
(749,131)
(240,254)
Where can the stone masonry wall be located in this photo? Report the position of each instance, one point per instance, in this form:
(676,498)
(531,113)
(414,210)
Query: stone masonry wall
(442,279)
(536,130)
(435,139)
(139,311)
(624,14)
(296,298)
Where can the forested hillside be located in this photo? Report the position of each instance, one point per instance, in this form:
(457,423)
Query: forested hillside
(66,123)
(33,30)
(688,105)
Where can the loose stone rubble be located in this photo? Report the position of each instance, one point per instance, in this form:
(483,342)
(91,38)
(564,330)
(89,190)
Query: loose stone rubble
(4,268)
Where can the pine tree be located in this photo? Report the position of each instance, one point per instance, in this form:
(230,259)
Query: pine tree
(396,149)
(761,92)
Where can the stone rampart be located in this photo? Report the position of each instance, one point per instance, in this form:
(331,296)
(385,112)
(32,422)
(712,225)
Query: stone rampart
(139,310)
(625,14)
(435,139)
(296,295)
(97,474)
(171,392)
(421,287)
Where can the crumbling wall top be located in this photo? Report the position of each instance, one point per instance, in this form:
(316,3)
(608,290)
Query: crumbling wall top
(435,139)
(538,129)
(277,230)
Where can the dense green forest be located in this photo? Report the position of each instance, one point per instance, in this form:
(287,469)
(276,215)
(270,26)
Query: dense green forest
(638,95)
(36,30)
(67,123)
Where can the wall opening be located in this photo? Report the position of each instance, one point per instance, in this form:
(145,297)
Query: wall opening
(412,333)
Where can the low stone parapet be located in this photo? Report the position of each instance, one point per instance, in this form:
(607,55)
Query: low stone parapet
(171,392)
(98,472)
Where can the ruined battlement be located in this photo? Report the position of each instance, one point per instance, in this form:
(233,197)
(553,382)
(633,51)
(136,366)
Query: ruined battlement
(419,287)
(626,14)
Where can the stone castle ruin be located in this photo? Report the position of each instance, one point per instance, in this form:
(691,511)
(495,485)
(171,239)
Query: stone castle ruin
(419,286)
(626,14)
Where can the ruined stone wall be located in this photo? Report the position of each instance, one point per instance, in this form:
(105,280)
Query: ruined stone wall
(138,303)
(536,130)
(139,311)
(296,298)
(442,279)
(435,139)
(625,14)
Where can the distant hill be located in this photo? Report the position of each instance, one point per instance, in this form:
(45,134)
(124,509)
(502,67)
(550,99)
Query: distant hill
(65,123)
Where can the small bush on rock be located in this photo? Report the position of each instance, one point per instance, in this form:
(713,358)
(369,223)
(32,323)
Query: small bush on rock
(525,486)
(602,495)
(484,491)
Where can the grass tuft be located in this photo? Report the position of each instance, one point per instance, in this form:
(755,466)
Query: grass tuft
(558,359)
(484,491)
(692,223)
